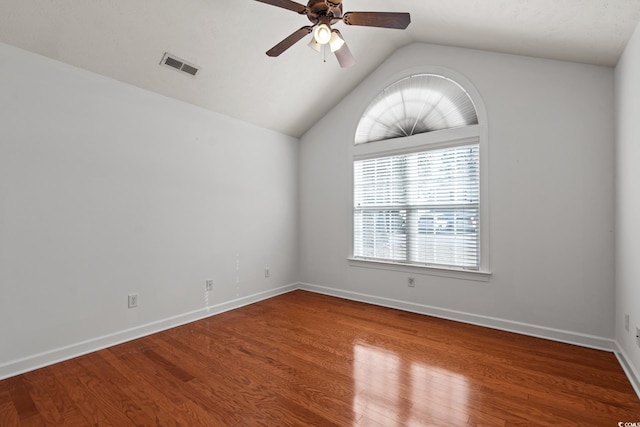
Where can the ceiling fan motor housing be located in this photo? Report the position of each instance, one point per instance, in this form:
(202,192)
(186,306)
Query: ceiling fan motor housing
(324,11)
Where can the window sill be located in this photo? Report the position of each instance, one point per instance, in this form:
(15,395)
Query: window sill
(479,276)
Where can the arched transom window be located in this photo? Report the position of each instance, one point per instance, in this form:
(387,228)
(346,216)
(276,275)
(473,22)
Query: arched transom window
(414,105)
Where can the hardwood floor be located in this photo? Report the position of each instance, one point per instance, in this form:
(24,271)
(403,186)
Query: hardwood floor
(311,360)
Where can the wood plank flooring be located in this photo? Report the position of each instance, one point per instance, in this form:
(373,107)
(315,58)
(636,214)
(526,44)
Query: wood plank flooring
(303,359)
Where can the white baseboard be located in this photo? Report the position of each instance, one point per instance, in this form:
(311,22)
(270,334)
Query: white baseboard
(568,337)
(632,373)
(37,361)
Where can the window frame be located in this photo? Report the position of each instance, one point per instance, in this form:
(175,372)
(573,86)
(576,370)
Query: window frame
(422,142)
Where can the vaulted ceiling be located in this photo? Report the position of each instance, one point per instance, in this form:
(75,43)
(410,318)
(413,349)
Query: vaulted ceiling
(227,39)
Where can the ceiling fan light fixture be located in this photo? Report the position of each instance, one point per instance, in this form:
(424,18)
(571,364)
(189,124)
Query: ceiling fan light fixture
(322,34)
(336,42)
(313,44)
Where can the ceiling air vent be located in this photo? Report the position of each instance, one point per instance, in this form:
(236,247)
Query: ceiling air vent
(171,61)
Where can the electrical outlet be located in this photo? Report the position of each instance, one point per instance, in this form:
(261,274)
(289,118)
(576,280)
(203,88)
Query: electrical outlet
(208,285)
(267,272)
(411,282)
(626,322)
(133,300)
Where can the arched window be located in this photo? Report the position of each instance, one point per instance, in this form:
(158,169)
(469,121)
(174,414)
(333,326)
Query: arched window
(416,176)
(415,105)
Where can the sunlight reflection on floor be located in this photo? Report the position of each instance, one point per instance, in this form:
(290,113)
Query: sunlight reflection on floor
(390,391)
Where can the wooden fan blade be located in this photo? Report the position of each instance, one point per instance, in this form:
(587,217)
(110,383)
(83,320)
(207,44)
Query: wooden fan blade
(344,57)
(289,41)
(396,20)
(287,4)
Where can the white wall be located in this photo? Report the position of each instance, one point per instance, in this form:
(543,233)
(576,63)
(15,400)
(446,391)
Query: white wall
(628,200)
(107,189)
(551,178)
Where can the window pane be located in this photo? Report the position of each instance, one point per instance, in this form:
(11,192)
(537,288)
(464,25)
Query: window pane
(446,236)
(382,234)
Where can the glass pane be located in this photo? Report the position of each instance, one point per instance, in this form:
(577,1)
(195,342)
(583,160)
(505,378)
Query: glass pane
(445,236)
(381,234)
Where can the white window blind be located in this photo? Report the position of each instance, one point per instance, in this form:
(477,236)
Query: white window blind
(419,208)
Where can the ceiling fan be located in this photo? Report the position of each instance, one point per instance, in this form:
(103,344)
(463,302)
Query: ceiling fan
(325,13)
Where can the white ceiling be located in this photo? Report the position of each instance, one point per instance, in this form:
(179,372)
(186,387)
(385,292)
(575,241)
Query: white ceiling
(126,39)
